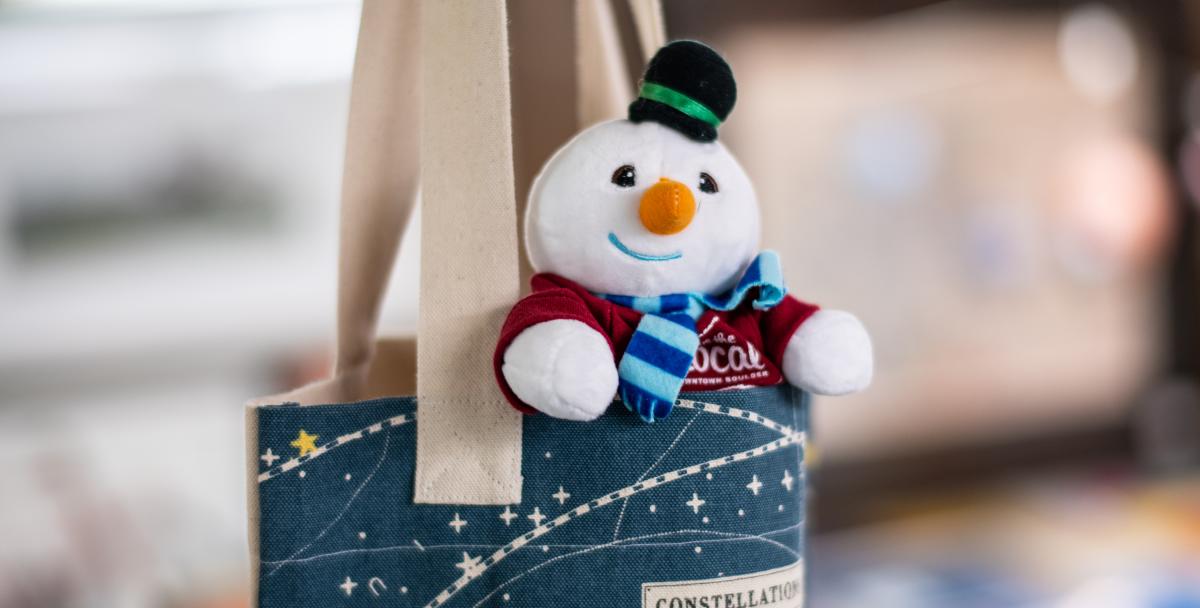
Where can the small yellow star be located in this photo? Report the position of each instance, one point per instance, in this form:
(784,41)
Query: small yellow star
(305,443)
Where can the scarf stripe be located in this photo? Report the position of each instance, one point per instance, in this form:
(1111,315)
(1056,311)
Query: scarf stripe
(654,380)
(661,350)
(674,328)
(659,353)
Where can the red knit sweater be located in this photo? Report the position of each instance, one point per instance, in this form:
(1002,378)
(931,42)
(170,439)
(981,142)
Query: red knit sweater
(741,347)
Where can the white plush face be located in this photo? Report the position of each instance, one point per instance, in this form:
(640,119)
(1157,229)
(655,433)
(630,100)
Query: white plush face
(583,226)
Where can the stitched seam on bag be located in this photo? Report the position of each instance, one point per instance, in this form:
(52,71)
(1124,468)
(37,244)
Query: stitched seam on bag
(433,473)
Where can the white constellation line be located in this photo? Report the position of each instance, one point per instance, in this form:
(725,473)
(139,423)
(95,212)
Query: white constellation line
(642,486)
(387,442)
(624,542)
(734,412)
(634,542)
(294,463)
(711,408)
(675,442)
(325,448)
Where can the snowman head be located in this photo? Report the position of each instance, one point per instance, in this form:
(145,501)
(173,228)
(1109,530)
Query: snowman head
(651,205)
(638,209)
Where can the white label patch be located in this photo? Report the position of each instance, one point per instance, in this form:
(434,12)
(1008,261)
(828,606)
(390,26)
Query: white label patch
(781,588)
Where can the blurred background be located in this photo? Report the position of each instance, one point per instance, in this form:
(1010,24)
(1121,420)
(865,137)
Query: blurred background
(1005,191)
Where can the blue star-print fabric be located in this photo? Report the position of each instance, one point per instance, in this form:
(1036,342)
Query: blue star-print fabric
(610,509)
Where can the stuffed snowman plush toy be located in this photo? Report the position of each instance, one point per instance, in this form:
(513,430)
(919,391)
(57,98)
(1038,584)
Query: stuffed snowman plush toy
(645,235)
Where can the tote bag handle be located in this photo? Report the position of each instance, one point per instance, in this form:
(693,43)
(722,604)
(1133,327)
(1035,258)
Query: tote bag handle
(468,439)
(380,177)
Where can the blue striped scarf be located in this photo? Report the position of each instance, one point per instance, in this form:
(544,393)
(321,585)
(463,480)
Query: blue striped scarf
(660,352)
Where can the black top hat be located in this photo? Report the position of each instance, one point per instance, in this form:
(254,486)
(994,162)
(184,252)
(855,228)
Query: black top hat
(687,87)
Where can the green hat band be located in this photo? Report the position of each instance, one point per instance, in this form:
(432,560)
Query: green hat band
(679,101)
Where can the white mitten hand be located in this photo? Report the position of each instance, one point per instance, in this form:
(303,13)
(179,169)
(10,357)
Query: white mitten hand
(829,355)
(563,368)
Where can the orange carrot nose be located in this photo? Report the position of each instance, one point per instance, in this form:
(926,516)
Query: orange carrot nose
(667,207)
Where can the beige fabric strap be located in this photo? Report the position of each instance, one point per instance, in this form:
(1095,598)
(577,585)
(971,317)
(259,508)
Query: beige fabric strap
(468,438)
(380,177)
(600,76)
(651,31)
(379,183)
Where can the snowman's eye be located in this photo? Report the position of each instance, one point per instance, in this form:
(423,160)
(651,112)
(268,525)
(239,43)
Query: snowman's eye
(625,176)
(708,184)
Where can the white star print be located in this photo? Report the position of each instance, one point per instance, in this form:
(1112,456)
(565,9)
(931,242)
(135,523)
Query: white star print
(536,517)
(561,496)
(755,485)
(788,480)
(696,502)
(470,565)
(348,586)
(457,523)
(508,516)
(269,457)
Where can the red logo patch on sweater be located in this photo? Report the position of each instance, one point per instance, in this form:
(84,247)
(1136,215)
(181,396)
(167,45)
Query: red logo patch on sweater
(726,359)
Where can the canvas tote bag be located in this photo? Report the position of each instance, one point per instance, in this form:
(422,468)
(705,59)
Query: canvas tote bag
(450,498)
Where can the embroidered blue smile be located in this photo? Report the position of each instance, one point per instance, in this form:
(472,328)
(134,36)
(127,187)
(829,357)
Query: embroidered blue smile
(645,257)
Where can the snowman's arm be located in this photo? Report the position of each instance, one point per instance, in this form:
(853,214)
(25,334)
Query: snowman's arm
(554,357)
(827,352)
